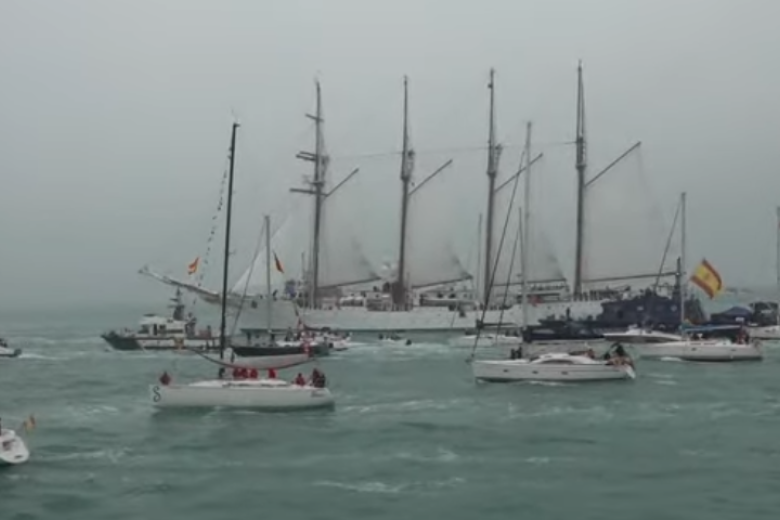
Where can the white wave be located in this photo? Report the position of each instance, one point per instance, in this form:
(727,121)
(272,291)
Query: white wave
(363,487)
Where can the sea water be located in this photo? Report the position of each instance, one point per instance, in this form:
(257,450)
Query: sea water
(412,437)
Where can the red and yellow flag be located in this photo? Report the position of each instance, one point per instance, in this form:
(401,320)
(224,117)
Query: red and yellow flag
(278,264)
(193,267)
(707,279)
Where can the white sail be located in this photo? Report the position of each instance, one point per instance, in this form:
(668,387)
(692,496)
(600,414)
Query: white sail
(342,259)
(431,257)
(252,281)
(543,264)
(625,232)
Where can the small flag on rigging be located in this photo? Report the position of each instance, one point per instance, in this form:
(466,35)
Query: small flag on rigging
(278,264)
(707,278)
(193,267)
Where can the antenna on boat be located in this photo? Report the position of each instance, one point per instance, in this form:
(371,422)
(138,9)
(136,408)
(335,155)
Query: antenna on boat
(225,267)
(581,166)
(492,172)
(407,165)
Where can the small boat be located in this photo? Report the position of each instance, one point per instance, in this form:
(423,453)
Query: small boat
(261,394)
(721,350)
(641,335)
(485,340)
(13,450)
(8,352)
(554,367)
(164,333)
(769,332)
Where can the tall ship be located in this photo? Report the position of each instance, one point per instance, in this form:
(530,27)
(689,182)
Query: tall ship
(427,287)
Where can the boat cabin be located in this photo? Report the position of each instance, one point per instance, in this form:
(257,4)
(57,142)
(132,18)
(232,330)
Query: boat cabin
(154,326)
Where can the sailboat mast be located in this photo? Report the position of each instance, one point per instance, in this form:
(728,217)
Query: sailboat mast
(319,185)
(477,288)
(492,170)
(268,295)
(777,267)
(581,166)
(683,252)
(399,295)
(525,222)
(226,260)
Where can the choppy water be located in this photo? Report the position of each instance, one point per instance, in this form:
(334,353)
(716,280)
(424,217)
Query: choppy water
(412,437)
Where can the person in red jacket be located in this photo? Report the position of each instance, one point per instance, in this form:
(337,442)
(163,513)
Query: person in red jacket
(271,373)
(300,380)
(252,373)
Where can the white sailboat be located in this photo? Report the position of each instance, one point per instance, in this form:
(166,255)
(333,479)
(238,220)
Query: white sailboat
(690,348)
(772,332)
(264,394)
(559,366)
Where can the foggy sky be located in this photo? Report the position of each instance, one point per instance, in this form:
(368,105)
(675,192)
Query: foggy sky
(115,117)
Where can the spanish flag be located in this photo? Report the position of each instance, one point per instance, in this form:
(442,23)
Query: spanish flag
(193,267)
(707,279)
(278,264)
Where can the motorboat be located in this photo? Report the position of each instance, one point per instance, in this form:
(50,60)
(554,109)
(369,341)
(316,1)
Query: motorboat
(164,333)
(261,394)
(636,334)
(485,340)
(8,352)
(554,367)
(691,349)
(13,450)
(769,332)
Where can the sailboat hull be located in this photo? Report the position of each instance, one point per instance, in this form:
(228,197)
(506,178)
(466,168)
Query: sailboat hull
(506,371)
(262,394)
(700,350)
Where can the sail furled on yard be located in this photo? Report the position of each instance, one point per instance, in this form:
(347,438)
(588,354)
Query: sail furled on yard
(543,265)
(432,258)
(625,231)
(343,260)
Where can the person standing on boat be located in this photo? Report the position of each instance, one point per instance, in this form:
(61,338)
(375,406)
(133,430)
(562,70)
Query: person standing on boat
(300,380)
(271,373)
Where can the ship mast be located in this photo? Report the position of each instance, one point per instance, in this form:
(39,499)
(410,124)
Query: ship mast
(229,212)
(492,171)
(317,189)
(581,166)
(525,223)
(399,294)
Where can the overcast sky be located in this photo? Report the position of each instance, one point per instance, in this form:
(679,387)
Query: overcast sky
(115,119)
